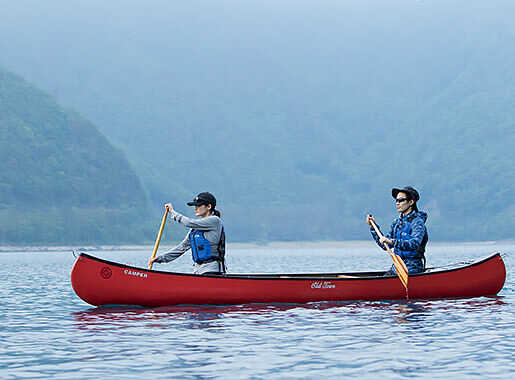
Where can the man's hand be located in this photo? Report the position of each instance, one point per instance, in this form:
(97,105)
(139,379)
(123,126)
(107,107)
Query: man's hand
(169,207)
(383,240)
(370,219)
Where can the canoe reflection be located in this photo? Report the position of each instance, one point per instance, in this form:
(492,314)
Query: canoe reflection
(195,316)
(199,312)
(202,316)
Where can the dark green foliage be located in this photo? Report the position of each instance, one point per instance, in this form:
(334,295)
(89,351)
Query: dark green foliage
(60,180)
(54,157)
(73,225)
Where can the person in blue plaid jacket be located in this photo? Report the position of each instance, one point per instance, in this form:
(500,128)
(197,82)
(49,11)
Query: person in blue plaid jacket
(408,233)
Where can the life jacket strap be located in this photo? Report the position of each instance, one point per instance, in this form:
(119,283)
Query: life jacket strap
(208,260)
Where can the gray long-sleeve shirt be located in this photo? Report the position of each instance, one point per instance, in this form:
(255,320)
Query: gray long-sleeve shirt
(212,228)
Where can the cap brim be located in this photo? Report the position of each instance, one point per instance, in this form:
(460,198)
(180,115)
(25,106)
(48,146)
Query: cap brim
(193,204)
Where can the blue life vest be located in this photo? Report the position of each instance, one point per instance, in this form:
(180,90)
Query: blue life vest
(402,231)
(200,247)
(201,251)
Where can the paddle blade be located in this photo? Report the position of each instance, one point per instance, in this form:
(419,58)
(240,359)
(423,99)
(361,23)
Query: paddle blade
(401,269)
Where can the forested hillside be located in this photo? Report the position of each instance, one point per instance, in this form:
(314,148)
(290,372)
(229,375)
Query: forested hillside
(60,179)
(300,116)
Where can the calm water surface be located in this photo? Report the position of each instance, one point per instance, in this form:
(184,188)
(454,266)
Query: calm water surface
(48,332)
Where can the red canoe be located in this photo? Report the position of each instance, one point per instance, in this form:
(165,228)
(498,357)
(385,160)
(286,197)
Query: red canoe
(102,282)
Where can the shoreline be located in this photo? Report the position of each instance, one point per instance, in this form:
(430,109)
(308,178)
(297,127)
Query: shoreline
(237,245)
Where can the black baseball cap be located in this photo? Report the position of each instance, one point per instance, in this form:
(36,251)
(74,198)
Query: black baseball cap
(410,191)
(203,199)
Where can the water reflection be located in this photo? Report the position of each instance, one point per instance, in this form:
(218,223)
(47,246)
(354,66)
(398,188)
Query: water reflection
(194,313)
(417,311)
(410,312)
(205,316)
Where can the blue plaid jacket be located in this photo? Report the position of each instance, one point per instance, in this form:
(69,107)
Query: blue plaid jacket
(409,234)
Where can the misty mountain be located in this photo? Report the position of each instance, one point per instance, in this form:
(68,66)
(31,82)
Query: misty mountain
(299,116)
(60,177)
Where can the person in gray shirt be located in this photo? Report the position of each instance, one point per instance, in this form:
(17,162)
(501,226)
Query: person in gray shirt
(206,237)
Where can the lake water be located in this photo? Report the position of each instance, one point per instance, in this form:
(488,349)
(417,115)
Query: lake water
(48,332)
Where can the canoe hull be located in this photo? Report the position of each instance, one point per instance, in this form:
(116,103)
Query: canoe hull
(101,282)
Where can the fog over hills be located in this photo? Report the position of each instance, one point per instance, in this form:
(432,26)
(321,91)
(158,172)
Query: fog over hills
(299,116)
(61,180)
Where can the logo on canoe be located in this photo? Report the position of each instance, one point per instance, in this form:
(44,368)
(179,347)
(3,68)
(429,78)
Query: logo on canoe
(322,285)
(135,273)
(106,273)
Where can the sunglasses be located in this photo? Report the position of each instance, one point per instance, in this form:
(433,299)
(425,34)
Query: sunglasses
(400,200)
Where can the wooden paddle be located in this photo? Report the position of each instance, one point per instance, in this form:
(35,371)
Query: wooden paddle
(158,238)
(400,267)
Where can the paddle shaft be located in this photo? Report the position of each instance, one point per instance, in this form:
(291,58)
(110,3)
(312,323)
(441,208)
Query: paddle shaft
(158,238)
(400,267)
